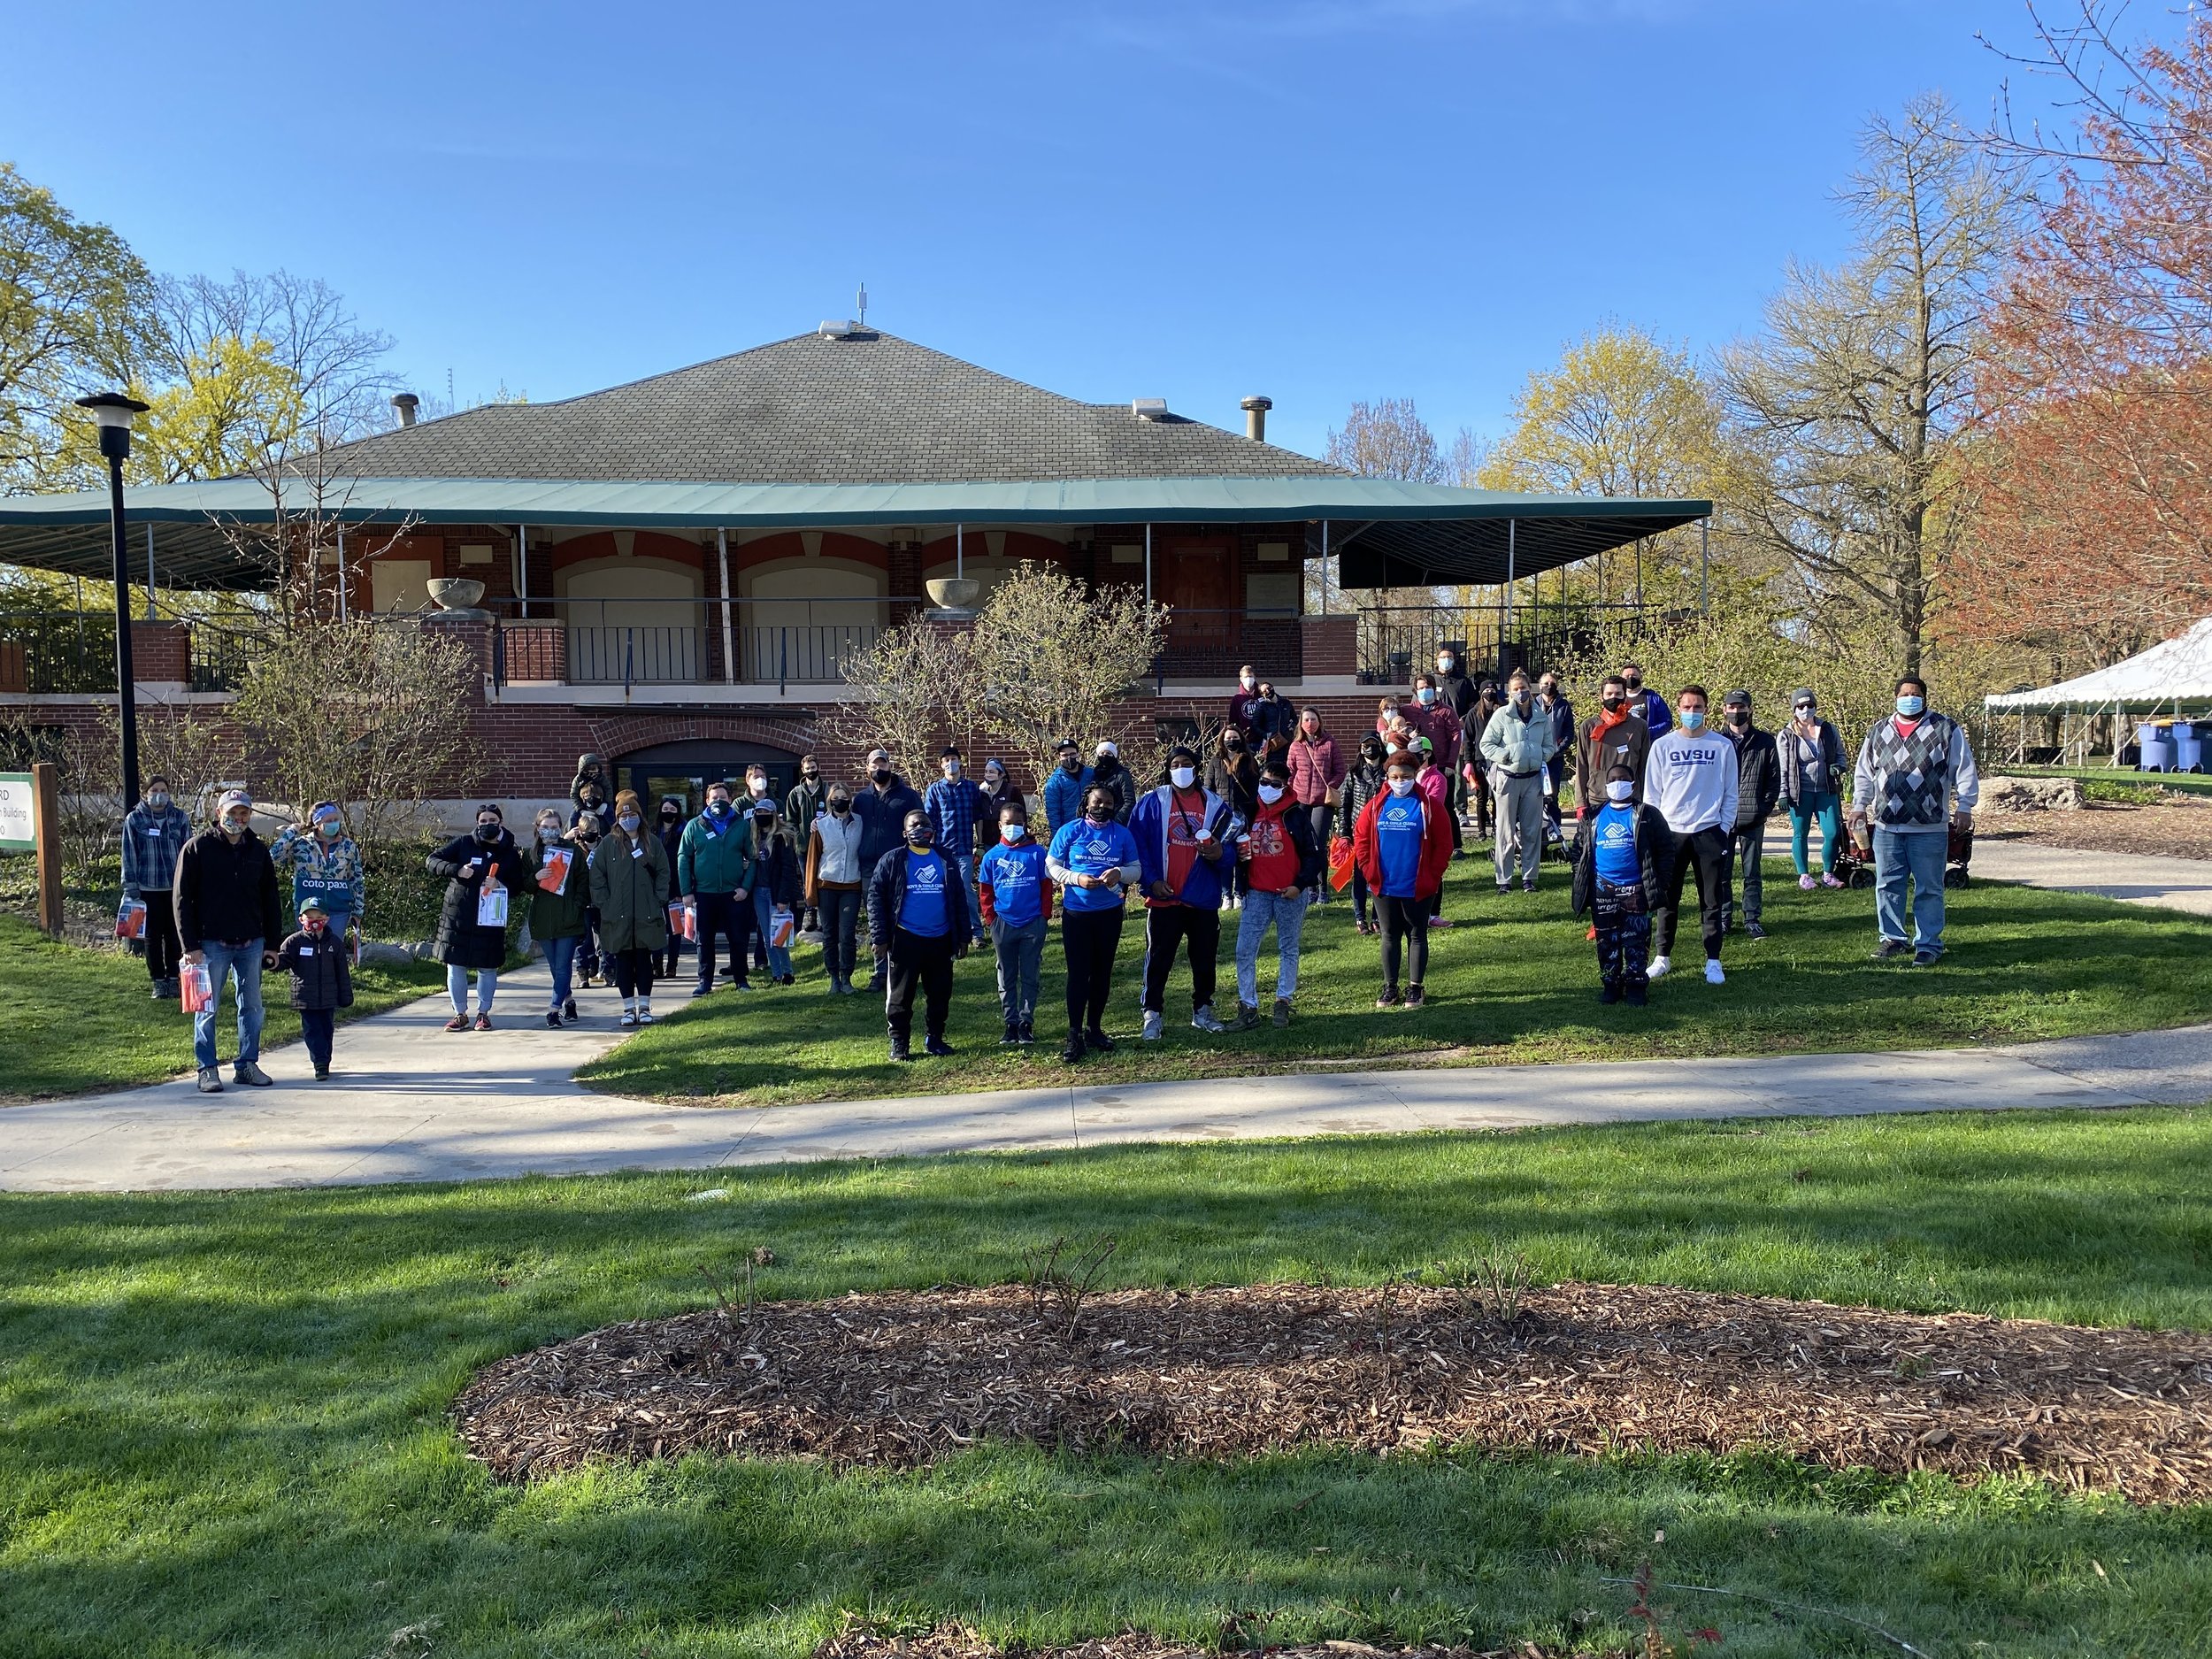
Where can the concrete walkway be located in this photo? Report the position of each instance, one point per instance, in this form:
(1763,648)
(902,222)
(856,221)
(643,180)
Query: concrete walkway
(413,1103)
(2175,884)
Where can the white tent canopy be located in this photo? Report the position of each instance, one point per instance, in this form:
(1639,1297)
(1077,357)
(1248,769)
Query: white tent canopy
(2176,675)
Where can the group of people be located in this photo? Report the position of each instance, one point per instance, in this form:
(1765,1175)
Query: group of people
(1269,820)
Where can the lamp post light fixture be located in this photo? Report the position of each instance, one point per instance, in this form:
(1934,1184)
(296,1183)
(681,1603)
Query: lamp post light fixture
(115,411)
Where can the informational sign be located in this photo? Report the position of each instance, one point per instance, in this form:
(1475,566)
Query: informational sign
(16,812)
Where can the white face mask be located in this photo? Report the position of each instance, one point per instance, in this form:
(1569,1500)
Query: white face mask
(1247,681)
(1622,790)
(1013,832)
(1270,793)
(1183,776)
(1401,786)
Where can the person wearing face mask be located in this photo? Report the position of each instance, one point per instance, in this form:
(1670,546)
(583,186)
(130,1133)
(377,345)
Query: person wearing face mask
(1108,772)
(1095,859)
(322,981)
(996,793)
(1403,844)
(954,805)
(587,831)
(630,885)
(1608,739)
(1516,747)
(1362,783)
(1434,718)
(1318,771)
(1245,706)
(154,833)
(1015,895)
(775,885)
(1616,872)
(325,864)
(1282,862)
(1643,704)
(228,920)
(1551,700)
(486,861)
(832,883)
(714,860)
(1234,775)
(919,923)
(674,817)
(801,805)
(1811,755)
(1458,691)
(1183,831)
(1065,788)
(1274,718)
(557,912)
(588,789)
(1694,780)
(1758,786)
(591,798)
(882,803)
(1915,782)
(1473,770)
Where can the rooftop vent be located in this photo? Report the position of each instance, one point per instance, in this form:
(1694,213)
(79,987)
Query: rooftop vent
(1149,408)
(1255,408)
(844,328)
(405,404)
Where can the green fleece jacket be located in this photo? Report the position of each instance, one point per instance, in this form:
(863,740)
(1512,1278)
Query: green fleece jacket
(714,856)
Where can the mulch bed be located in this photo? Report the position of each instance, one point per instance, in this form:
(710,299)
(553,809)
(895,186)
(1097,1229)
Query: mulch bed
(900,1378)
(958,1642)
(2173,828)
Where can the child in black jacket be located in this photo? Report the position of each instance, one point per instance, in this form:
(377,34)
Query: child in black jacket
(1616,877)
(322,982)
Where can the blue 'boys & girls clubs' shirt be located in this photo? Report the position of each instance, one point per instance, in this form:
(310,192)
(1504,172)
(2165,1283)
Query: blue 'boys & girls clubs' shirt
(1093,850)
(1016,871)
(1399,823)
(1617,859)
(923,914)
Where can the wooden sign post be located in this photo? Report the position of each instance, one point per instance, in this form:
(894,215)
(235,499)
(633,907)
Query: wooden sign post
(30,816)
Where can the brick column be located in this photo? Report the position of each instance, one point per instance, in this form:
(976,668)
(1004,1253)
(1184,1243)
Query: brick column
(1331,645)
(161,653)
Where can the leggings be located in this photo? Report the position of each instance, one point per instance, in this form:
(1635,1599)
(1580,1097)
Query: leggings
(1090,938)
(1405,929)
(633,971)
(456,987)
(1828,809)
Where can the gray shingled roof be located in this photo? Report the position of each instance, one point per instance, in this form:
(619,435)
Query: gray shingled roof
(813,410)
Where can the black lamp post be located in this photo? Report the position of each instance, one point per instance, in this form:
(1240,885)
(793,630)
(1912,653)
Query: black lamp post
(115,411)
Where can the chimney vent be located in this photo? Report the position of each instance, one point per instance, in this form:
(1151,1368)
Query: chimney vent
(1255,408)
(1149,408)
(406,403)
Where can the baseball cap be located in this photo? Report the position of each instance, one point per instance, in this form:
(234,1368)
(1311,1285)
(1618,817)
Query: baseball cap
(1743,697)
(231,798)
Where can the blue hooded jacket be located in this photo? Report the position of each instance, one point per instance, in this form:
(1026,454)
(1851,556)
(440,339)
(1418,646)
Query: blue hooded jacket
(1148,824)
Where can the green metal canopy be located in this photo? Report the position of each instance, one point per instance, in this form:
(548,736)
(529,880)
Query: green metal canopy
(1390,534)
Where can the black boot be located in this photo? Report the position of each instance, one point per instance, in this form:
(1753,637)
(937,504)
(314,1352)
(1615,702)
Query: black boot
(1013,1034)
(1074,1051)
(899,1048)
(1098,1040)
(1025,1035)
(937,1047)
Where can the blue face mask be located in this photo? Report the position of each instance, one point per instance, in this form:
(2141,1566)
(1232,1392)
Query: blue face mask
(1692,719)
(1910,707)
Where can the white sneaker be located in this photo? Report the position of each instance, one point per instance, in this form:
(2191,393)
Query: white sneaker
(1153,1026)
(1659,966)
(629,1015)
(644,1013)
(1713,975)
(1203,1019)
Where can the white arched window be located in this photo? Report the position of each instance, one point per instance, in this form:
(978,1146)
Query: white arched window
(634,620)
(803,616)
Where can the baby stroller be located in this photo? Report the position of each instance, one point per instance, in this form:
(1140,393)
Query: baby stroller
(1854,862)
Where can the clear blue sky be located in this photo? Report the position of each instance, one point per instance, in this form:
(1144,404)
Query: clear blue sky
(1318,199)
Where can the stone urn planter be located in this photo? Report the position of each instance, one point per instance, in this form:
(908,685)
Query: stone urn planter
(455,597)
(954,594)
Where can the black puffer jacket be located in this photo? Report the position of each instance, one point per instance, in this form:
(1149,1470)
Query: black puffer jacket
(465,862)
(321,969)
(1759,769)
(226,891)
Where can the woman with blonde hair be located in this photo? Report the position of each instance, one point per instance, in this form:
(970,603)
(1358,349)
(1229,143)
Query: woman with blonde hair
(629,889)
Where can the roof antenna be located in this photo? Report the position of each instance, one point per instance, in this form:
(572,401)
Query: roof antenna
(860,305)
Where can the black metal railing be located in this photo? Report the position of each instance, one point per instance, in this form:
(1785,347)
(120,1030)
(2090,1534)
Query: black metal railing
(63,650)
(1399,642)
(218,657)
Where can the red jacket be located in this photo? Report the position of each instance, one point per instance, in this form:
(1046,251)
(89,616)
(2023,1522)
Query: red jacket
(1438,724)
(1437,841)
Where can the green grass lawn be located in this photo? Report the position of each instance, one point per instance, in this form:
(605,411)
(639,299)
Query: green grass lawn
(73,1019)
(1515,981)
(225,1428)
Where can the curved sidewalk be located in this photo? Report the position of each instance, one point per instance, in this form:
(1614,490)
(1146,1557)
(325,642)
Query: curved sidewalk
(415,1104)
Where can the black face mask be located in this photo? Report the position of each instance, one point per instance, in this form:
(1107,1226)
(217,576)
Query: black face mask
(881,774)
(1071,765)
(1612,701)
(1634,682)
(487,832)
(1101,815)
(917,838)
(1737,717)
(809,774)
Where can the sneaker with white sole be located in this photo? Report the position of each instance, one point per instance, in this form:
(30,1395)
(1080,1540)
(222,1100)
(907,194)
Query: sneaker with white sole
(1154,1025)
(1203,1019)
(1713,974)
(211,1080)
(644,1013)
(1659,967)
(1807,883)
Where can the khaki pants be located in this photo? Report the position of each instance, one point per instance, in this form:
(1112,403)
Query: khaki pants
(1520,803)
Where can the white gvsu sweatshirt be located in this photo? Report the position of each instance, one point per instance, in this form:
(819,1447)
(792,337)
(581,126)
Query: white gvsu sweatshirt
(1692,778)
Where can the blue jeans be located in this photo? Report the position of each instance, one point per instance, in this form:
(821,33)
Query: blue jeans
(779,955)
(222,961)
(456,987)
(560,958)
(1921,857)
(965,863)
(1288,917)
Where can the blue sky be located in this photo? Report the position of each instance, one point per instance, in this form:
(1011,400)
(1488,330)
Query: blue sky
(1317,199)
